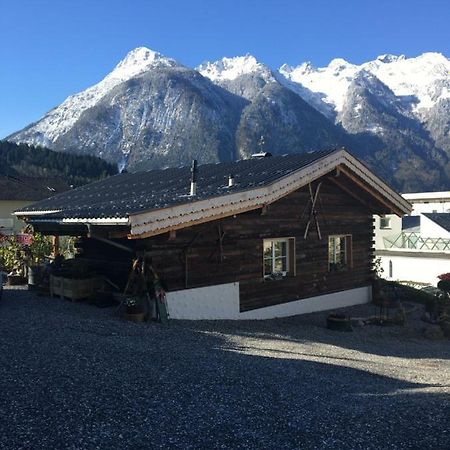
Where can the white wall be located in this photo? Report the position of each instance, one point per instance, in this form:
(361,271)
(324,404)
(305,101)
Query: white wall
(7,207)
(429,202)
(222,302)
(394,230)
(430,229)
(210,302)
(440,207)
(415,268)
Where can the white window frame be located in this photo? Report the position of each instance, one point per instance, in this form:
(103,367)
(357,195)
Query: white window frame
(289,270)
(348,256)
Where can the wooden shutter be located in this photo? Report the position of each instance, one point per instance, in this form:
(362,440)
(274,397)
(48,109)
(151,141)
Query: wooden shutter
(291,257)
(349,250)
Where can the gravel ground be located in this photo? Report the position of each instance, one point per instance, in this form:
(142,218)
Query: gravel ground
(73,376)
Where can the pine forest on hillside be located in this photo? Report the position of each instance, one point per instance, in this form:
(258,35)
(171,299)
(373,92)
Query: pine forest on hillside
(24,159)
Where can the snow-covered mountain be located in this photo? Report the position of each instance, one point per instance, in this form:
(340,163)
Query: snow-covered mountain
(232,68)
(242,75)
(151,111)
(420,81)
(404,103)
(59,120)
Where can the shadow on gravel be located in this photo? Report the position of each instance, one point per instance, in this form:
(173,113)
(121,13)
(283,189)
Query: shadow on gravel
(393,340)
(74,377)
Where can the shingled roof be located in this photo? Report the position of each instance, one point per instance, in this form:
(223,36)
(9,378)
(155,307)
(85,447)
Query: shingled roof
(130,193)
(157,200)
(30,188)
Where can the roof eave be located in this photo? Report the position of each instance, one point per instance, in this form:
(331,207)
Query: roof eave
(108,221)
(159,221)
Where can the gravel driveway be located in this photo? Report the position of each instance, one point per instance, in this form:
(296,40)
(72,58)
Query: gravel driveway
(73,376)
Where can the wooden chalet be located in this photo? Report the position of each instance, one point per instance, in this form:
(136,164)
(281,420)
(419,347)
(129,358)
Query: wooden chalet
(258,238)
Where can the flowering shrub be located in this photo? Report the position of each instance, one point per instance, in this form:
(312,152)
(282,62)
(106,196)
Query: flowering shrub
(134,304)
(444,276)
(132,301)
(14,256)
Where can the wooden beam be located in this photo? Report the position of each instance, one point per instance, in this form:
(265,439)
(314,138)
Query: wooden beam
(349,191)
(192,223)
(364,186)
(117,234)
(114,244)
(55,246)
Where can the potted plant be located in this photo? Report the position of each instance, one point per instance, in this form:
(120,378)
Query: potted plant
(339,322)
(444,283)
(134,308)
(16,257)
(12,260)
(36,253)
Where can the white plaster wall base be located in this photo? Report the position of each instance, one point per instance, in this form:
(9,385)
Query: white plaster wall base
(418,268)
(210,302)
(222,302)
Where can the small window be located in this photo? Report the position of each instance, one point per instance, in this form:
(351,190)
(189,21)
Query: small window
(385,223)
(339,253)
(391,269)
(279,258)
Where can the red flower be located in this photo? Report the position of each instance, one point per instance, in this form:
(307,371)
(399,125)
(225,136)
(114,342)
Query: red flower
(444,276)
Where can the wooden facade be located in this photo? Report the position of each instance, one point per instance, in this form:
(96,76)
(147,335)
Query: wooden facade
(231,249)
(250,245)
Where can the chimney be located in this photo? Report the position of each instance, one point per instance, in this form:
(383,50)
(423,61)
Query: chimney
(230,180)
(193,178)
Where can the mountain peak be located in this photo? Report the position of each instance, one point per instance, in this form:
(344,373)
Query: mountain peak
(140,54)
(138,61)
(339,64)
(231,68)
(305,67)
(388,58)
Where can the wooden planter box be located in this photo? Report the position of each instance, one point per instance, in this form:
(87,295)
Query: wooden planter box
(16,280)
(74,289)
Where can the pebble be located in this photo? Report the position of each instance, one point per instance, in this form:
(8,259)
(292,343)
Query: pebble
(73,376)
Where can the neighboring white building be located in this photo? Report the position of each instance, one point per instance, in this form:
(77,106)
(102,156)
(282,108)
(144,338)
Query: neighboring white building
(429,202)
(385,226)
(416,248)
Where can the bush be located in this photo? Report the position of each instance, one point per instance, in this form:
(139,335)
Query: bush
(14,257)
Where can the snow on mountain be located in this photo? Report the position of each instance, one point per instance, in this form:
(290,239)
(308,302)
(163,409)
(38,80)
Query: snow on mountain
(244,76)
(426,77)
(60,119)
(232,68)
(332,81)
(422,80)
(151,111)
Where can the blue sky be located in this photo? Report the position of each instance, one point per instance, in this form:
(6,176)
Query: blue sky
(50,49)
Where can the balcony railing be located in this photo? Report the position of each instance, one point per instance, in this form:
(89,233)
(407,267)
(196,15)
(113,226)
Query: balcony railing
(414,241)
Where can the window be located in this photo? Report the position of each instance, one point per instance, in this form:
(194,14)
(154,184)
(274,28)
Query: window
(385,223)
(339,252)
(279,258)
